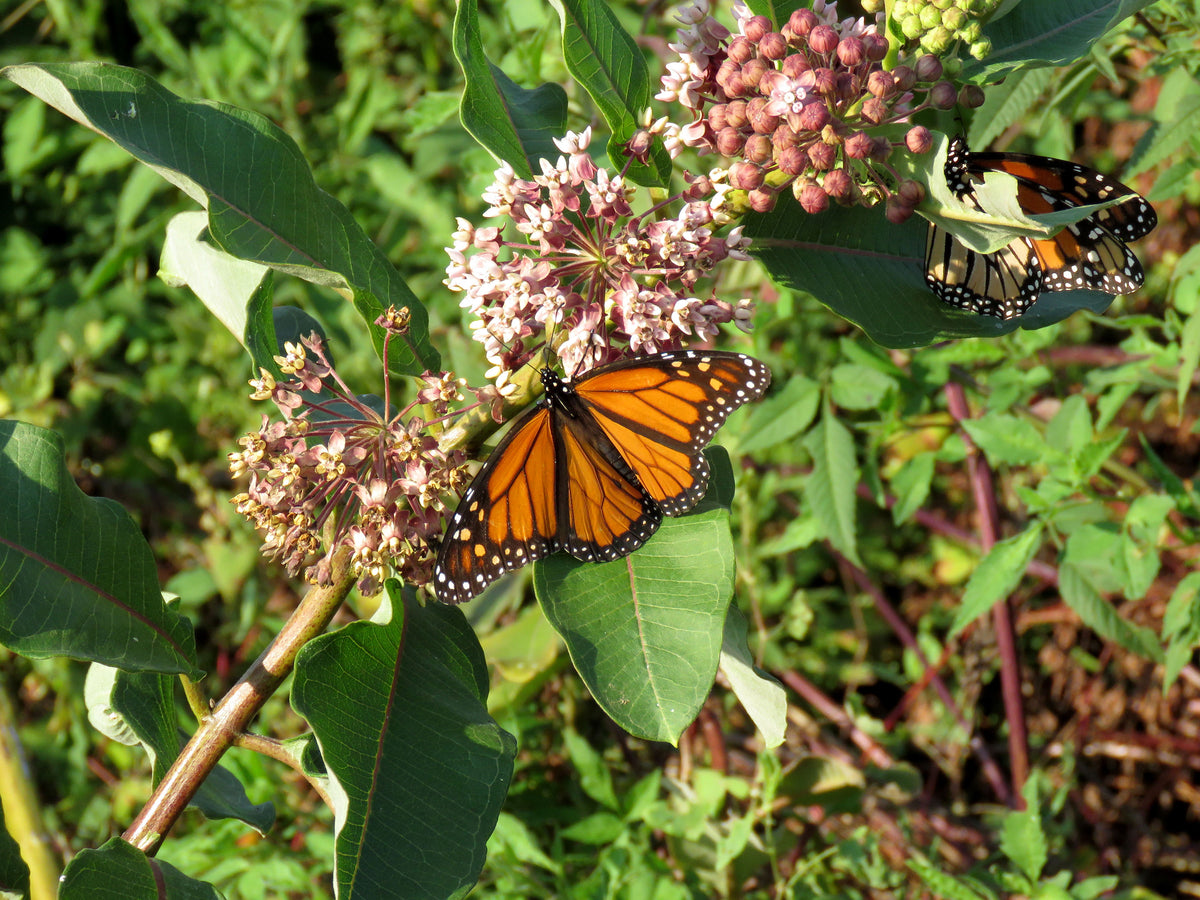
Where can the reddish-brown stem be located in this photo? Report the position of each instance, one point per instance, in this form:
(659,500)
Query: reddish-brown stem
(218,731)
(991,770)
(980,476)
(875,754)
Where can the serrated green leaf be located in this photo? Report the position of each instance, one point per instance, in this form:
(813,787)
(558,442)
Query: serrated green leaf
(830,488)
(997,575)
(644,632)
(781,416)
(594,776)
(221,157)
(911,484)
(77,576)
(1099,615)
(859,387)
(944,886)
(1181,627)
(763,698)
(399,711)
(514,124)
(119,871)
(1009,440)
(1023,841)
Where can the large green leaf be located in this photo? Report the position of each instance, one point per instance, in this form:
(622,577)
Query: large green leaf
(263,204)
(515,124)
(1099,615)
(119,871)
(645,631)
(14,873)
(417,767)
(139,708)
(606,61)
(760,694)
(831,486)
(76,576)
(1036,33)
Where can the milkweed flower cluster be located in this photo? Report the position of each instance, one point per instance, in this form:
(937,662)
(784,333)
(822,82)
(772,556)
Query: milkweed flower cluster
(585,264)
(801,107)
(334,471)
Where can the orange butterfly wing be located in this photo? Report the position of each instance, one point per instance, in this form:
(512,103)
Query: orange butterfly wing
(593,469)
(661,411)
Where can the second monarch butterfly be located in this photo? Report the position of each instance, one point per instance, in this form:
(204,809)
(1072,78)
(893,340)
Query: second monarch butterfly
(594,467)
(1087,255)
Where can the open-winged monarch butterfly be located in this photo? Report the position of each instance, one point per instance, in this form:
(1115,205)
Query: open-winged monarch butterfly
(594,467)
(1087,255)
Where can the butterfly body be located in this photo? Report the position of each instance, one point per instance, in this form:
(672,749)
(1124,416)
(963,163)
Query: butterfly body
(595,465)
(1087,255)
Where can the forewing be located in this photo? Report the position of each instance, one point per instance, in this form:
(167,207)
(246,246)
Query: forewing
(659,412)
(507,517)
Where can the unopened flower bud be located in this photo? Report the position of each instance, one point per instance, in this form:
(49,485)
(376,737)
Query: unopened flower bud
(814,116)
(858,145)
(760,120)
(971,96)
(874,110)
(928,68)
(882,84)
(773,45)
(795,65)
(981,48)
(851,51)
(822,155)
(761,200)
(752,72)
(755,27)
(911,192)
(730,142)
(877,46)
(758,149)
(745,176)
(740,49)
(800,23)
(824,80)
(823,40)
(837,184)
(905,78)
(918,139)
(735,114)
(897,212)
(942,95)
(792,161)
(716,116)
(783,137)
(813,199)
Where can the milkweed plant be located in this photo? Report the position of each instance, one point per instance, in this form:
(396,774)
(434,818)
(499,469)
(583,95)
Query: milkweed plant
(800,143)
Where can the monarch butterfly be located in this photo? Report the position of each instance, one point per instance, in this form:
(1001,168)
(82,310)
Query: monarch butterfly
(594,467)
(1088,254)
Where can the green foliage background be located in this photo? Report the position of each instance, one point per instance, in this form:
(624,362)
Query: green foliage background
(1090,424)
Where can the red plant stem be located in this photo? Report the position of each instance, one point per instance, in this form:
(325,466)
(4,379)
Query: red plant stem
(872,751)
(218,731)
(991,770)
(980,476)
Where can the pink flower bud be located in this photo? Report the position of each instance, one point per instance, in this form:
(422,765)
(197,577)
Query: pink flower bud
(740,49)
(800,23)
(730,142)
(897,213)
(773,45)
(874,110)
(760,120)
(918,139)
(761,200)
(943,95)
(837,184)
(745,176)
(859,145)
(851,51)
(813,199)
(753,71)
(929,68)
(822,155)
(792,161)
(735,114)
(716,116)
(795,65)
(905,78)
(971,96)
(758,149)
(882,84)
(814,116)
(755,27)
(823,40)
